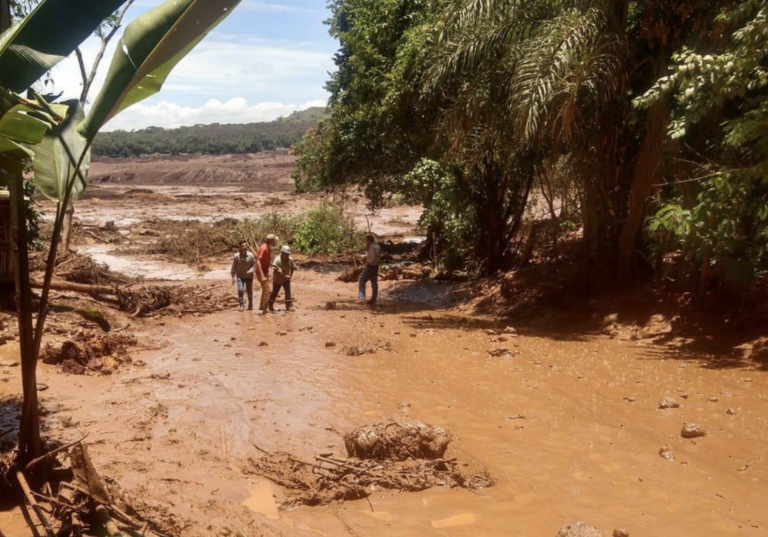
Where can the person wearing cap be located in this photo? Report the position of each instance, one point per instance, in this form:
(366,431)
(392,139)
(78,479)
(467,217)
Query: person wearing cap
(372,260)
(263,261)
(284,268)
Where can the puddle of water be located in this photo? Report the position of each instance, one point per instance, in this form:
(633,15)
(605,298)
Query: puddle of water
(463,519)
(262,500)
(135,266)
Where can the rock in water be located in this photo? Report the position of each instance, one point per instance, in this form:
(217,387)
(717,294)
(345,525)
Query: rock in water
(692,430)
(579,529)
(668,402)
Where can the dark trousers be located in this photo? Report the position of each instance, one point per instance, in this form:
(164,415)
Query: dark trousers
(276,290)
(370,274)
(245,285)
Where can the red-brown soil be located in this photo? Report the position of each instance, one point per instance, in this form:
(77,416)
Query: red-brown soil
(561,409)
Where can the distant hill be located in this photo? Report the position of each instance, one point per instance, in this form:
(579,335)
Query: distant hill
(214,139)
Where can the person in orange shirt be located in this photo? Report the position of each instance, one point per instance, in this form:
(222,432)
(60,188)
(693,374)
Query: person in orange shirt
(263,262)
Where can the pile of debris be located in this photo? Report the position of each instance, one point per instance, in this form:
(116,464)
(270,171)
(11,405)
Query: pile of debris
(89,353)
(83,269)
(368,348)
(154,300)
(75,500)
(404,271)
(402,454)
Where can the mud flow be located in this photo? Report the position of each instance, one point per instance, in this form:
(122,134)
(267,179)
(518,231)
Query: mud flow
(224,422)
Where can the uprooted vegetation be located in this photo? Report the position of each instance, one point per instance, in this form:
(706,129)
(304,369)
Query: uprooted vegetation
(323,230)
(77,500)
(402,454)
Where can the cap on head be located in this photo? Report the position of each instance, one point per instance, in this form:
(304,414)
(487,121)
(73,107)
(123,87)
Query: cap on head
(271,237)
(285,249)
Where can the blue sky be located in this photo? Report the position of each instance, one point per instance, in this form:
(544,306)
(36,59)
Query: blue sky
(265,60)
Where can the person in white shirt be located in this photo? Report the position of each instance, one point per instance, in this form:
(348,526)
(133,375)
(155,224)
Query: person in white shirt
(372,260)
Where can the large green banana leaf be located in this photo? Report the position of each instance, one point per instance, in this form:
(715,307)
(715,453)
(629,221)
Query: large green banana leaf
(151,46)
(46,36)
(57,155)
(25,121)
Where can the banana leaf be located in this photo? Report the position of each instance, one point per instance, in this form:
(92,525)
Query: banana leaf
(152,45)
(25,122)
(50,33)
(57,155)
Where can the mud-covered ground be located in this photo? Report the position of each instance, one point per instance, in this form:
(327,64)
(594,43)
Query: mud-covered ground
(566,419)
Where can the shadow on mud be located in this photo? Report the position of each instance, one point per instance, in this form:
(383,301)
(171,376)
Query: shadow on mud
(717,333)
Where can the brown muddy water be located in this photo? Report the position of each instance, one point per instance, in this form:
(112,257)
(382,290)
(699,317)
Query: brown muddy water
(568,423)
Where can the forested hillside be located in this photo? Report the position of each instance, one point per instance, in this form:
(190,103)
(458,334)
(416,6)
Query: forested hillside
(642,127)
(215,139)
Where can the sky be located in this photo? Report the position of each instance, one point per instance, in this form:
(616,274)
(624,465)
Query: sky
(266,60)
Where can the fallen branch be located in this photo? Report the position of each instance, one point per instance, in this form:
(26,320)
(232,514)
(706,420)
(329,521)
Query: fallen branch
(33,503)
(77,288)
(51,454)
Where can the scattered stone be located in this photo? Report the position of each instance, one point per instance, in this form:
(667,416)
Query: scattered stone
(510,330)
(282,333)
(692,430)
(41,387)
(730,412)
(516,417)
(9,364)
(620,533)
(329,344)
(630,399)
(684,395)
(668,402)
(330,305)
(666,453)
(500,352)
(579,529)
(713,399)
(263,344)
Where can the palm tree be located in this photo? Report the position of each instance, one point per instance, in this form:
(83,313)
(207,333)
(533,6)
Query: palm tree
(530,75)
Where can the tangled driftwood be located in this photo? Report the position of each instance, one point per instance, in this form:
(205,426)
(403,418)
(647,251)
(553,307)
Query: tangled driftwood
(402,454)
(81,503)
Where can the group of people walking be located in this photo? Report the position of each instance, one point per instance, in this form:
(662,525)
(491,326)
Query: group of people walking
(248,265)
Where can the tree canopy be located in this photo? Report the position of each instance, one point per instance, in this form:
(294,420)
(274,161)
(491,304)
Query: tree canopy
(639,122)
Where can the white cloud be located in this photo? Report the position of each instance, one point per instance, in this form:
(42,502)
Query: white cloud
(235,110)
(269,6)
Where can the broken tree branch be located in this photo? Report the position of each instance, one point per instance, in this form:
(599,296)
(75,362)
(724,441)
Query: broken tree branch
(33,503)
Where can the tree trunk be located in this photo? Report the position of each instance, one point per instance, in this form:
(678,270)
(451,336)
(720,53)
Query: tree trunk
(29,431)
(66,230)
(647,172)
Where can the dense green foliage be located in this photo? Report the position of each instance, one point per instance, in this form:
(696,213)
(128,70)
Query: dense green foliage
(326,229)
(212,139)
(644,121)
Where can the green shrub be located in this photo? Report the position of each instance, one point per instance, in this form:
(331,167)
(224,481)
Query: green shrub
(327,230)
(255,231)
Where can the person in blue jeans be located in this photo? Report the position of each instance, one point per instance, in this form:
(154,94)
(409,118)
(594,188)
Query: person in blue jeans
(372,260)
(243,269)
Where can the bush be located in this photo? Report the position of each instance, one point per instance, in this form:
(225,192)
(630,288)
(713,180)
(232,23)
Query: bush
(327,230)
(255,231)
